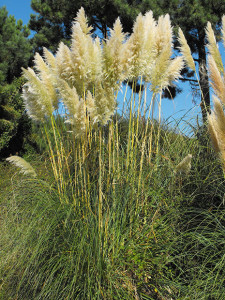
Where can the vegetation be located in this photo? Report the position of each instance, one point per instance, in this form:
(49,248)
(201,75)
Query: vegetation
(15,52)
(52,24)
(118,206)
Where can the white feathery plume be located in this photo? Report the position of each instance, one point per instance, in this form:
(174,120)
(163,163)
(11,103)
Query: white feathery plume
(40,92)
(95,59)
(104,102)
(213,47)
(136,42)
(65,68)
(217,80)
(223,29)
(69,96)
(80,51)
(91,109)
(82,20)
(47,77)
(174,70)
(150,26)
(33,106)
(159,75)
(78,109)
(212,132)
(115,57)
(25,167)
(163,36)
(218,119)
(185,50)
(216,125)
(49,58)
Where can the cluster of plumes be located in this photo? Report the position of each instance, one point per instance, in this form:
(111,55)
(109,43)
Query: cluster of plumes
(216,120)
(88,75)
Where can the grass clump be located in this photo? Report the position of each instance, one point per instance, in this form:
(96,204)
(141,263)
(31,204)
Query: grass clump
(119,207)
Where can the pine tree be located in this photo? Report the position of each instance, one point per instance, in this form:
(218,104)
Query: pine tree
(15,52)
(53,20)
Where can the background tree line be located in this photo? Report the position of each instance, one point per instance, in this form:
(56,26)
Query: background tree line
(52,24)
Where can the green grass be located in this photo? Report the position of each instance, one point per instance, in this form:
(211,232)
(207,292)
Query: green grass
(110,234)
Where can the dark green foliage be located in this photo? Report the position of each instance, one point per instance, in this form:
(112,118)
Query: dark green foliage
(15,49)
(54,19)
(15,52)
(192,16)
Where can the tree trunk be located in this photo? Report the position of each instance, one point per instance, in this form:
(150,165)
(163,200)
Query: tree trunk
(203,77)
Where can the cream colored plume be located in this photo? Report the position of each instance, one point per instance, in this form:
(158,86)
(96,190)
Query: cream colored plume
(85,54)
(49,59)
(82,20)
(184,167)
(165,71)
(163,34)
(65,68)
(216,120)
(115,57)
(25,167)
(136,42)
(217,79)
(212,133)
(150,26)
(39,96)
(213,47)
(223,30)
(78,110)
(216,125)
(185,50)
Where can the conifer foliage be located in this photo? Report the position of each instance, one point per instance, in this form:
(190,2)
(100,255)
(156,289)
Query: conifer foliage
(15,52)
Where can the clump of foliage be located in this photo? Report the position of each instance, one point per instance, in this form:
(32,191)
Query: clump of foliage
(15,52)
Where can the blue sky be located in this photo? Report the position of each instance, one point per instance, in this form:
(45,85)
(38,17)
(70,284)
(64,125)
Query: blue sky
(174,110)
(19,8)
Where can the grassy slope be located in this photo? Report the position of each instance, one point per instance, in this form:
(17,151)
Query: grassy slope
(165,250)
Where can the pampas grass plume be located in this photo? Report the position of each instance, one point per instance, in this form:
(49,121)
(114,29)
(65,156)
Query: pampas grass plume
(184,167)
(223,30)
(25,167)
(185,50)
(217,80)
(81,19)
(213,47)
(212,133)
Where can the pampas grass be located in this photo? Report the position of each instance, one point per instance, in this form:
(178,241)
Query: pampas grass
(106,218)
